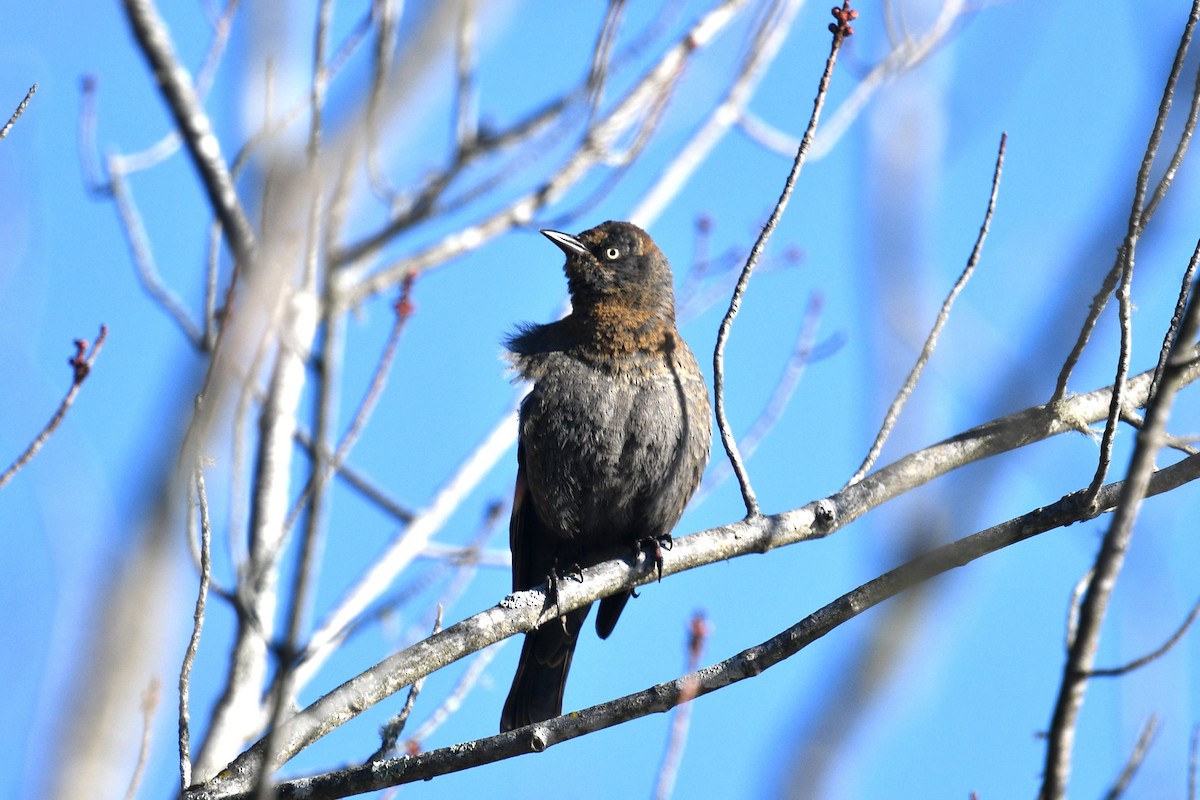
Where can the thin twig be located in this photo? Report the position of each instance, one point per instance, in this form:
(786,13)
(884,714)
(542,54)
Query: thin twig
(1181,148)
(466,115)
(364,485)
(341,56)
(189,655)
(910,383)
(777,403)
(622,160)
(1095,308)
(602,54)
(454,700)
(17,114)
(763,48)
(462,563)
(143,258)
(1138,663)
(1135,760)
(1124,353)
(389,735)
(698,633)
(403,308)
(386,18)
(85,139)
(407,210)
(1140,212)
(464,568)
(907,53)
(715,281)
(496,557)
(175,84)
(841,29)
(1185,289)
(166,146)
(408,546)
(81,365)
(1193,750)
(149,705)
(1183,444)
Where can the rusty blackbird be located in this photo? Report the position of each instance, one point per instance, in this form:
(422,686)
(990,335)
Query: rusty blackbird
(614,436)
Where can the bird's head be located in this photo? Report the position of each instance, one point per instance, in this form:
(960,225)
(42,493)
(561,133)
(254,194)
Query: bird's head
(617,266)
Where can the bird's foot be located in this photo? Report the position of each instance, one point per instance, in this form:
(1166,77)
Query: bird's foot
(573,571)
(655,545)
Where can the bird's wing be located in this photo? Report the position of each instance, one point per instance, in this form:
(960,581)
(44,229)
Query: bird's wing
(518,540)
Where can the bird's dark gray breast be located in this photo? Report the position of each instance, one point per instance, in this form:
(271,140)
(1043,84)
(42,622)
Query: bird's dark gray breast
(611,457)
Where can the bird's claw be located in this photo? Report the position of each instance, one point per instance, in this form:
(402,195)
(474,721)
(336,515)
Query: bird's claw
(656,545)
(552,580)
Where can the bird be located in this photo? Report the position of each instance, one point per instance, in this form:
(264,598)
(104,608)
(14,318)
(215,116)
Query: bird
(614,436)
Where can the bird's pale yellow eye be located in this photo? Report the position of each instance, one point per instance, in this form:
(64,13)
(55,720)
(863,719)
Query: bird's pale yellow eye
(612,254)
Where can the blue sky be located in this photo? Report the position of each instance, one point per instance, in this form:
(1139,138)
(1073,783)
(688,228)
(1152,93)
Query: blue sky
(882,225)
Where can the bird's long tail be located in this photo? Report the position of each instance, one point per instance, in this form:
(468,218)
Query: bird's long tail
(537,690)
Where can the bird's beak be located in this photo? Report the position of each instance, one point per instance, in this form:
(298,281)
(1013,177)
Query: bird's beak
(567,243)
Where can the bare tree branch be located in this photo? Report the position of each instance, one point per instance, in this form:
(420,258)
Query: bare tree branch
(406,546)
(390,734)
(189,656)
(523,611)
(910,383)
(168,145)
(17,114)
(1135,760)
(1149,441)
(1193,749)
(143,258)
(403,309)
(1172,334)
(765,45)
(81,365)
(906,54)
(1138,663)
(664,696)
(176,85)
(150,699)
(299,598)
(603,134)
(781,395)
(1140,215)
(841,29)
(664,786)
